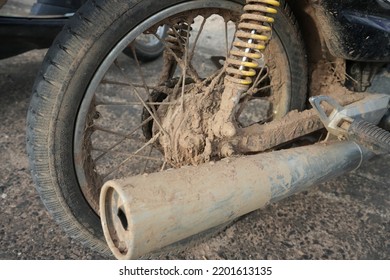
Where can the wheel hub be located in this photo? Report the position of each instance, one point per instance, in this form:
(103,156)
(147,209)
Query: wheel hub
(187,137)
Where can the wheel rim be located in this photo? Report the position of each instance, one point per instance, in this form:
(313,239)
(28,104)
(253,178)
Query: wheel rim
(90,171)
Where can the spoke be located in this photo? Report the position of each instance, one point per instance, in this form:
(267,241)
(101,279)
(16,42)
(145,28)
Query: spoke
(163,166)
(259,79)
(264,88)
(110,82)
(167,48)
(233,38)
(140,70)
(102,103)
(184,70)
(179,38)
(144,81)
(155,118)
(216,79)
(153,87)
(147,160)
(121,141)
(191,56)
(242,106)
(163,89)
(194,75)
(252,92)
(96,127)
(128,153)
(150,142)
(227,39)
(177,86)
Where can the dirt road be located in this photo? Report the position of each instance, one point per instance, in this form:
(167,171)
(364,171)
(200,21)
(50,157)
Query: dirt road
(348,218)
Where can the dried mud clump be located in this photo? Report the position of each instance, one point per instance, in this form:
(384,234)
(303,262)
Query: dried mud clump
(187,139)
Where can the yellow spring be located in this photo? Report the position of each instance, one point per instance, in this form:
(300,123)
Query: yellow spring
(251,39)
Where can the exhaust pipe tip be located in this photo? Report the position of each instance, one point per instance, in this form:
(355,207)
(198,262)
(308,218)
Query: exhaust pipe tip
(116,220)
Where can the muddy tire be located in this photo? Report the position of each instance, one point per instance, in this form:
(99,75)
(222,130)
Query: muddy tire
(61,91)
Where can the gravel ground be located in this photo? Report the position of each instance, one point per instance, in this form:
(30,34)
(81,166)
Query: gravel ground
(347,218)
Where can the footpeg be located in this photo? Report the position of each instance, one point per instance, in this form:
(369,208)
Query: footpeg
(357,121)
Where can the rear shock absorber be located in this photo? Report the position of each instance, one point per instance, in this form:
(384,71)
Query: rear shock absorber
(252,36)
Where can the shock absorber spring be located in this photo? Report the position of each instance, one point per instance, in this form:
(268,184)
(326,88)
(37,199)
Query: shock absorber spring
(251,39)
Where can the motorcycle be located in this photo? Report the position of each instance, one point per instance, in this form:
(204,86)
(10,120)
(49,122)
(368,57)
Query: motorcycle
(133,157)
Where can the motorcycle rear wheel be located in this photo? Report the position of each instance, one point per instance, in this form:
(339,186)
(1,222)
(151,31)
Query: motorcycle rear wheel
(65,98)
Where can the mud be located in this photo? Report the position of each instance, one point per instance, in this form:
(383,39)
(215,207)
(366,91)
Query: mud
(185,140)
(257,138)
(327,72)
(194,135)
(346,218)
(328,78)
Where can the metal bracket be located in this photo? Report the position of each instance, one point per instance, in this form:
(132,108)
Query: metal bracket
(371,109)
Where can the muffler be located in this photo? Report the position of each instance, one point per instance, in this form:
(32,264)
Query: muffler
(144,213)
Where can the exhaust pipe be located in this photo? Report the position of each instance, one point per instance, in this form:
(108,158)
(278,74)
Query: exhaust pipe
(144,213)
